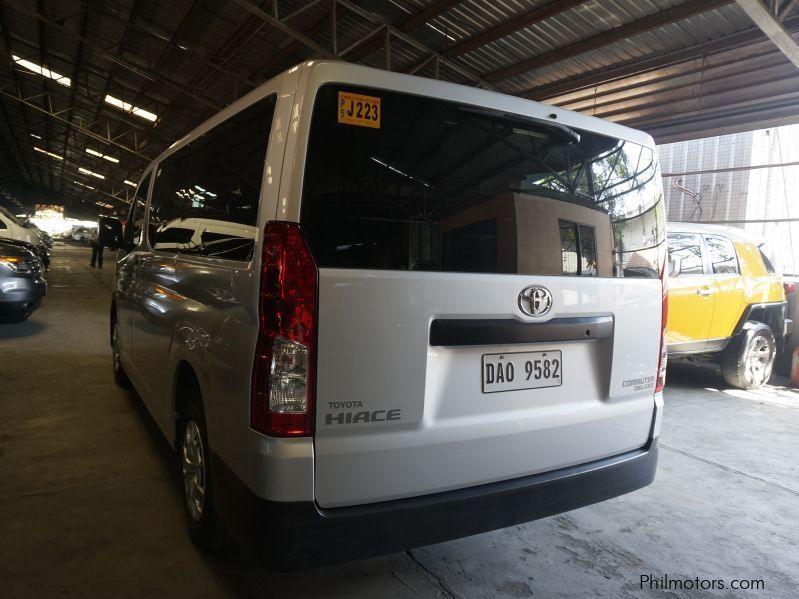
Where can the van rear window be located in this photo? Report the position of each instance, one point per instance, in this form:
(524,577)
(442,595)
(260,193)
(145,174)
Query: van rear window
(439,186)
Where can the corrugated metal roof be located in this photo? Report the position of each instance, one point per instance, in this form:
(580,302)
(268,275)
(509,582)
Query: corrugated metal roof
(185,60)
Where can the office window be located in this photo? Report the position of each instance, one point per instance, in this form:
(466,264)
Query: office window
(578,249)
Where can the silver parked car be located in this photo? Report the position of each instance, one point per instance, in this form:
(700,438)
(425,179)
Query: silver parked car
(373,311)
(82,234)
(22,281)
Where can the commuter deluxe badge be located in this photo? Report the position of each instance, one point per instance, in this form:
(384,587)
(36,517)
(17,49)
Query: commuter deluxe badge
(360,110)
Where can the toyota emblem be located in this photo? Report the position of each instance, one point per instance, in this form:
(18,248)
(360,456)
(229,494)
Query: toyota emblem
(535,301)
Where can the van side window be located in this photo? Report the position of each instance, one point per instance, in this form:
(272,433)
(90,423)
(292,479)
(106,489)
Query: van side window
(688,247)
(206,194)
(722,255)
(3,224)
(135,224)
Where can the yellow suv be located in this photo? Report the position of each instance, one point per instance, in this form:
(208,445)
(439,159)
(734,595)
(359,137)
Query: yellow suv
(725,299)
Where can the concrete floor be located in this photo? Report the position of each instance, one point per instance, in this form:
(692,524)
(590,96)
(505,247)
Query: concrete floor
(89,508)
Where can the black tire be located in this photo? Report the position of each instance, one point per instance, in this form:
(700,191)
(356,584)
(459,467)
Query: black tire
(205,529)
(120,376)
(748,360)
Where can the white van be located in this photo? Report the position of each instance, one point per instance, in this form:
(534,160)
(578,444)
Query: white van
(442,313)
(13,228)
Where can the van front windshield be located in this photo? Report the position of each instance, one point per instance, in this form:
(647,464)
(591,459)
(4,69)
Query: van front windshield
(414,183)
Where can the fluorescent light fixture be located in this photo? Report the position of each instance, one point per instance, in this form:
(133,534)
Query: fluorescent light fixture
(103,204)
(84,185)
(40,70)
(433,27)
(436,29)
(101,155)
(140,112)
(210,195)
(200,188)
(131,183)
(36,136)
(86,171)
(399,172)
(50,154)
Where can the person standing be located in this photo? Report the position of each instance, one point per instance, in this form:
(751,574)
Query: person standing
(97,249)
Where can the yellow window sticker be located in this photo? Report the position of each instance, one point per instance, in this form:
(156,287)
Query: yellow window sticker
(360,110)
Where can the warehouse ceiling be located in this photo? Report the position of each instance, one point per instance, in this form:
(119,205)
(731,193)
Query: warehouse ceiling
(90,91)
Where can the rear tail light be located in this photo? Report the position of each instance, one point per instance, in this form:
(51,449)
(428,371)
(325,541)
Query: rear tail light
(10,262)
(282,381)
(15,263)
(660,381)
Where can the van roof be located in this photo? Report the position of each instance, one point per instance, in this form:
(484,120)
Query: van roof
(334,70)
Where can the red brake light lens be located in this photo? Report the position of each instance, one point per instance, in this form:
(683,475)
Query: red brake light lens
(285,356)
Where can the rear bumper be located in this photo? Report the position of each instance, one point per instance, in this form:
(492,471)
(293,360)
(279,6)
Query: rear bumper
(290,535)
(21,295)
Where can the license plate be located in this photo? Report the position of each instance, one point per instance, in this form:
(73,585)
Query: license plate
(524,370)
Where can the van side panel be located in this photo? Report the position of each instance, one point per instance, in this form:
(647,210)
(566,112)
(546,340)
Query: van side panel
(223,330)
(206,307)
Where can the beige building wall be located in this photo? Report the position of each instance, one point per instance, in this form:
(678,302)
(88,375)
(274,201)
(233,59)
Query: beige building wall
(533,221)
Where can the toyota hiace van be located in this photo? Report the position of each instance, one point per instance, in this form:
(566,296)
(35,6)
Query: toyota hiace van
(425,311)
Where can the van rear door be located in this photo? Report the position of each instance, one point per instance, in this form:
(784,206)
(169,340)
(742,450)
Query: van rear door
(489,300)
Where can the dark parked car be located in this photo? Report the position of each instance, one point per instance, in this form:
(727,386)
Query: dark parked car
(22,282)
(40,250)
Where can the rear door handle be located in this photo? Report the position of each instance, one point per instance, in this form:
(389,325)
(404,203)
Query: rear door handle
(704,292)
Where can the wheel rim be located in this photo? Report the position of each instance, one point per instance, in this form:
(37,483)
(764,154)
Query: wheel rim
(193,467)
(758,361)
(115,347)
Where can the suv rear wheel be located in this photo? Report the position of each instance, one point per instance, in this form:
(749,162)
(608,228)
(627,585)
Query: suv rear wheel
(748,360)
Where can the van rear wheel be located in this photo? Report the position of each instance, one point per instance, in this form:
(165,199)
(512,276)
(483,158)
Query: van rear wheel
(748,360)
(120,376)
(205,529)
